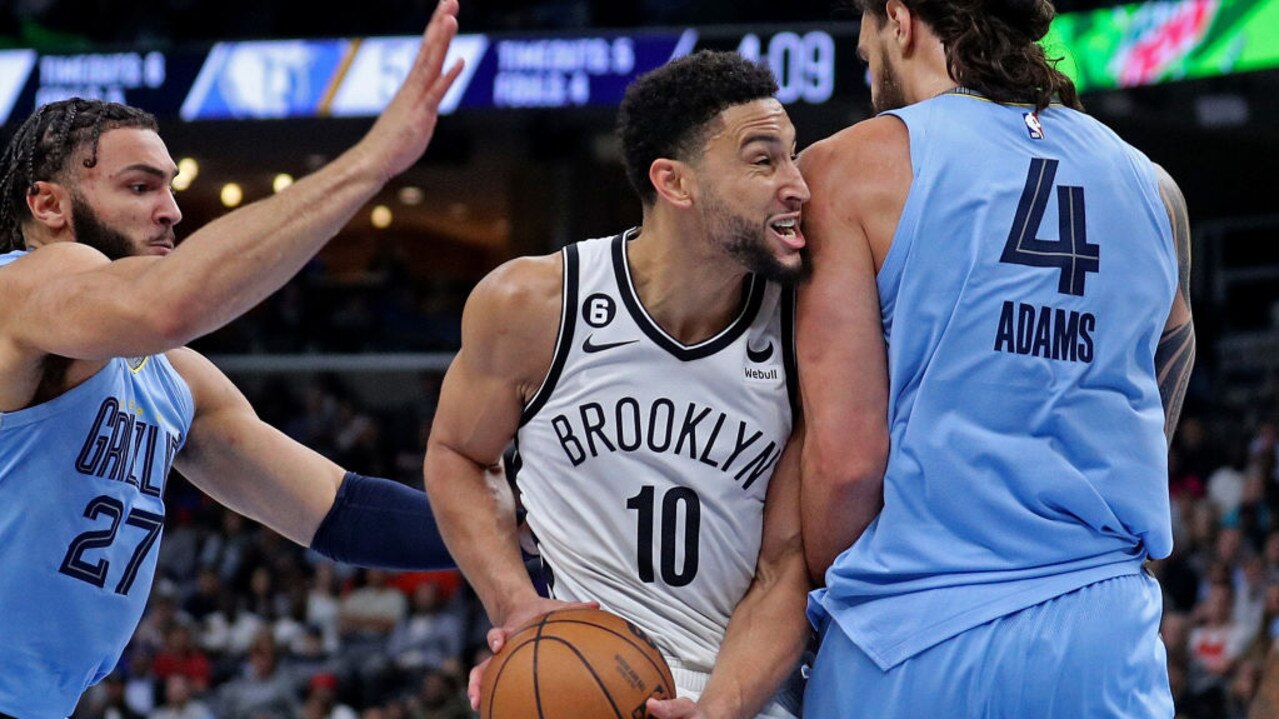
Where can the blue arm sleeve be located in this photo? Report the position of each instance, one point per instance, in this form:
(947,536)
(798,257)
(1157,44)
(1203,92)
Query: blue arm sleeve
(381,524)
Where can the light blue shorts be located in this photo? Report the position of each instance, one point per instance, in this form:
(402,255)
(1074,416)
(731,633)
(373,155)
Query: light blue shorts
(1091,653)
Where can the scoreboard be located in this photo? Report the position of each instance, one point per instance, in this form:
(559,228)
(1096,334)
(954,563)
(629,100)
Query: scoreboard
(1127,45)
(356,77)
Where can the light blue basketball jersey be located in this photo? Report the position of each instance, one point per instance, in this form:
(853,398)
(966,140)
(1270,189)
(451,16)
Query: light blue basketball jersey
(81,514)
(1023,298)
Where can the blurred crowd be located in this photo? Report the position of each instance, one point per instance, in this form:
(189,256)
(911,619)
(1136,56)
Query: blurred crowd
(1221,584)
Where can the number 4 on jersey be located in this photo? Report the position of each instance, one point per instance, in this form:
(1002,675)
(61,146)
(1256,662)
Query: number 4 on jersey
(1070,252)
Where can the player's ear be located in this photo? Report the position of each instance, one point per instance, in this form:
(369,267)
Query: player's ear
(899,22)
(50,205)
(673,181)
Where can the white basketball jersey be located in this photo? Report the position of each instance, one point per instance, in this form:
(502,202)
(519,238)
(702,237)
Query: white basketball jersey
(643,462)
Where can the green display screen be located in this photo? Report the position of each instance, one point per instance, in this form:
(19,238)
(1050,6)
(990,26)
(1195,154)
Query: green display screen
(1155,42)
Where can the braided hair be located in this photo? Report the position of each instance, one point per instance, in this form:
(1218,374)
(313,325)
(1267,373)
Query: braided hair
(42,148)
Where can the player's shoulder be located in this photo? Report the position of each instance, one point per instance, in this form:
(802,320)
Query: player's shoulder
(45,269)
(208,386)
(516,304)
(883,136)
(859,170)
(520,284)
(186,361)
(859,156)
(61,258)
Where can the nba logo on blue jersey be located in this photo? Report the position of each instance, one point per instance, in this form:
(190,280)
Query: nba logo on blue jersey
(1035,129)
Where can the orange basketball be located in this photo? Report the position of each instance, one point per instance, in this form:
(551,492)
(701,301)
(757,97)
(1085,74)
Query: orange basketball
(575,664)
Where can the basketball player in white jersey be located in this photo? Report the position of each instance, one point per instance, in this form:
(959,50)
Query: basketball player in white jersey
(647,379)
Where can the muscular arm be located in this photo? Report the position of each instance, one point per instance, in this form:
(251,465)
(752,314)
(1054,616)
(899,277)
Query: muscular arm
(508,335)
(1175,356)
(245,463)
(859,179)
(768,629)
(68,300)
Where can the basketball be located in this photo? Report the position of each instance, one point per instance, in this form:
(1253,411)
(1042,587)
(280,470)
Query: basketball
(575,664)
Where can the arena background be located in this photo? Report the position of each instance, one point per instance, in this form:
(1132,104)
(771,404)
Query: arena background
(347,358)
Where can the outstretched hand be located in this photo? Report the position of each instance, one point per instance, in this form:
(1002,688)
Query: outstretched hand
(497,636)
(401,134)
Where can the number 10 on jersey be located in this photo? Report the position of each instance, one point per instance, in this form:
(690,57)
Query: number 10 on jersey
(675,500)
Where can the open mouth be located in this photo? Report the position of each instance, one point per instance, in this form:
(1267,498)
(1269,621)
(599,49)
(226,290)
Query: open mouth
(788,230)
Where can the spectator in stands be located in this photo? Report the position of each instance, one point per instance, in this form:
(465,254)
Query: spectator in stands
(161,615)
(440,698)
(1216,646)
(321,699)
(365,621)
(230,631)
(204,601)
(141,688)
(114,704)
(263,599)
(427,638)
(179,702)
(262,691)
(322,603)
(181,657)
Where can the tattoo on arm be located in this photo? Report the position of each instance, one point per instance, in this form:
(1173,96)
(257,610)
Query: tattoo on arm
(1175,203)
(1175,356)
(1174,359)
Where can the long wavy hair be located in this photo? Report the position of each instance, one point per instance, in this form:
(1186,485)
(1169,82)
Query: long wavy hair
(992,47)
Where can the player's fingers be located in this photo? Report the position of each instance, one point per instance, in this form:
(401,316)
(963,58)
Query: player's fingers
(496,639)
(441,86)
(671,709)
(435,42)
(473,684)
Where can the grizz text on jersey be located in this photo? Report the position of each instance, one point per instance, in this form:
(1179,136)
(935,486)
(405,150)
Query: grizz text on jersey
(120,446)
(703,433)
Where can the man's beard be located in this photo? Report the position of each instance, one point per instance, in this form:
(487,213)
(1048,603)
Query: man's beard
(92,231)
(888,93)
(745,242)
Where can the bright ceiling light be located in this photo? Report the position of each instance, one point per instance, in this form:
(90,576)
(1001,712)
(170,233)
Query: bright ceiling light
(232,195)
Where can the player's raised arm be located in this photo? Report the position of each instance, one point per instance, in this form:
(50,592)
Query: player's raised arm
(71,301)
(839,340)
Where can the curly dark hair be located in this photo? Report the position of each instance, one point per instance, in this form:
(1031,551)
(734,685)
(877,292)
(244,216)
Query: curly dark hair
(42,149)
(992,47)
(666,112)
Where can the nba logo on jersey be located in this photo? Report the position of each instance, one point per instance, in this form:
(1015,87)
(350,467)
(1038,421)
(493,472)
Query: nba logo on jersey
(1035,129)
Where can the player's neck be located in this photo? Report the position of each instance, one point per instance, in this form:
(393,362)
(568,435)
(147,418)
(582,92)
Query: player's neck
(925,74)
(685,283)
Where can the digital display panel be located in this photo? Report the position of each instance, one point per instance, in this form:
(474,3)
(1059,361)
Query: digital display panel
(153,80)
(1147,43)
